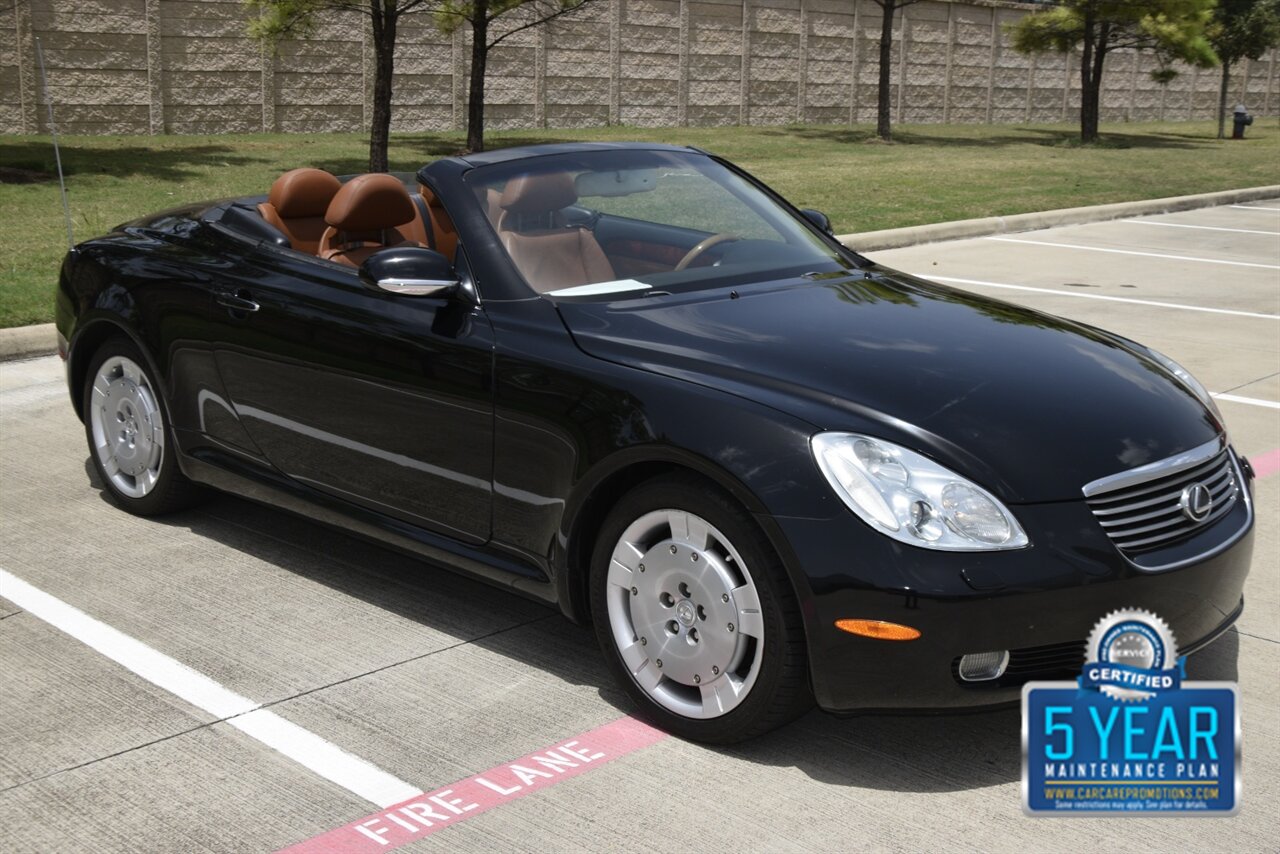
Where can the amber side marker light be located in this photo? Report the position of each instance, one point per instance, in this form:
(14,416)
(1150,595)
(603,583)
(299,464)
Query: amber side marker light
(878,629)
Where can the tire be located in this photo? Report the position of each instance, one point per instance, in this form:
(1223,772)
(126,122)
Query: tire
(130,441)
(695,615)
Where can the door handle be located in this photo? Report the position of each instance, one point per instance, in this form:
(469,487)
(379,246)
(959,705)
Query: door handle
(241,300)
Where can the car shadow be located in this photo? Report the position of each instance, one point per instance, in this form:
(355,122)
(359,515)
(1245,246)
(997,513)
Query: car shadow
(923,753)
(397,583)
(928,752)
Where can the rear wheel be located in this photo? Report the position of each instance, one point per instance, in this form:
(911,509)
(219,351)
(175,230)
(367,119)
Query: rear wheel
(695,614)
(129,439)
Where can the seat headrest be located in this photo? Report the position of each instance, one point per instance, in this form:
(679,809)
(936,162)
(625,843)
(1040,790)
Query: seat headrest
(370,203)
(534,193)
(303,192)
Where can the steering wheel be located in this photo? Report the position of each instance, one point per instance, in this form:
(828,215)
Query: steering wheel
(703,246)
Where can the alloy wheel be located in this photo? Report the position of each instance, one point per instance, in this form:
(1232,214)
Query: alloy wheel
(127,426)
(684,614)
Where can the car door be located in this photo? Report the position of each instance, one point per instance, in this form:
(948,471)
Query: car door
(381,399)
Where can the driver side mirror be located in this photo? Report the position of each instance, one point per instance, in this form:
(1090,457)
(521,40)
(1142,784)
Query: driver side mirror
(410,271)
(818,218)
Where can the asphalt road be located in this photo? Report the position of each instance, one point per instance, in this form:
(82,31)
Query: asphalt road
(237,679)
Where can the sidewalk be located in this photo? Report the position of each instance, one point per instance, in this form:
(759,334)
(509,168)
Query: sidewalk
(895,238)
(27,342)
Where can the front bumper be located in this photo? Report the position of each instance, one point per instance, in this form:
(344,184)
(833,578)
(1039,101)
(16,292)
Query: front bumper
(1040,603)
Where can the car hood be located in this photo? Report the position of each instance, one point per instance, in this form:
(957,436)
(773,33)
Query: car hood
(1029,405)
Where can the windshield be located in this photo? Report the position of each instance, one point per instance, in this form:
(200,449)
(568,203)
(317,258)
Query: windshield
(617,222)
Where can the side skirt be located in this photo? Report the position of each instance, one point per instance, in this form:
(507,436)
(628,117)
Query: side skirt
(226,473)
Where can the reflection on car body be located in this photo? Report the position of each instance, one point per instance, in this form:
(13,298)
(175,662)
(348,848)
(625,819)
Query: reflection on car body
(632,381)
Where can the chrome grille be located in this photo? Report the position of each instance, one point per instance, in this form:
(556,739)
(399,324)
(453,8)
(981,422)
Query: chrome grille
(1142,510)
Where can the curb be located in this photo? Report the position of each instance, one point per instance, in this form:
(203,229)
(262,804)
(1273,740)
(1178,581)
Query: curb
(895,238)
(28,342)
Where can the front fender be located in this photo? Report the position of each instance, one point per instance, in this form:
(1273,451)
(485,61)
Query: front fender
(573,433)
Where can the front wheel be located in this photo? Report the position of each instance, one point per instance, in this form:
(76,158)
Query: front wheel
(129,441)
(695,614)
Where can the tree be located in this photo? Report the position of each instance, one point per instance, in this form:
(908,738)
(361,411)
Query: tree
(483,16)
(281,19)
(1174,29)
(1241,29)
(888,8)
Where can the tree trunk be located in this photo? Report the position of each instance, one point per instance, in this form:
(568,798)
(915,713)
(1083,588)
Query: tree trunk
(1090,95)
(1222,99)
(1088,107)
(1091,61)
(479,56)
(384,53)
(883,128)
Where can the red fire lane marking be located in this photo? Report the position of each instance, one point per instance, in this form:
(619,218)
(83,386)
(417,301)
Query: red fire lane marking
(1265,465)
(442,808)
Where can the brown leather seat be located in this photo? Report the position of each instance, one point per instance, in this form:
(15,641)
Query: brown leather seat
(493,206)
(369,213)
(440,225)
(550,253)
(442,228)
(296,205)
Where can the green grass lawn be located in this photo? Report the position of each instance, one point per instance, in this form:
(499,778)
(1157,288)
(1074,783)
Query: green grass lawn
(932,173)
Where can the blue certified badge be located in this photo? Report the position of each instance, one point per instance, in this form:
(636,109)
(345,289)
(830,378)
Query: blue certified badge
(1131,737)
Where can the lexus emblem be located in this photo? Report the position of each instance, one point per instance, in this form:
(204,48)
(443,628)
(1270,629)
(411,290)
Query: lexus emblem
(1196,502)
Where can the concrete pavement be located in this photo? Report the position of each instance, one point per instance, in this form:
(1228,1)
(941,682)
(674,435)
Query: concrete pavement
(433,678)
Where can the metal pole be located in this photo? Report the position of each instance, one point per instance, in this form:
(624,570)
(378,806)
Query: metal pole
(57,156)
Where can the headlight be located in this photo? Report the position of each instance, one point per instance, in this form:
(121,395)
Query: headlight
(1184,376)
(913,499)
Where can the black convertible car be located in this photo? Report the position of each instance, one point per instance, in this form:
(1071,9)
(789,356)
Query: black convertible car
(632,381)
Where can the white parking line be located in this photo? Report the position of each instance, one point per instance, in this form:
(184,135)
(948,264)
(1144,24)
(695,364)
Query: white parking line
(352,773)
(1250,401)
(1099,297)
(1253,208)
(1201,227)
(1133,252)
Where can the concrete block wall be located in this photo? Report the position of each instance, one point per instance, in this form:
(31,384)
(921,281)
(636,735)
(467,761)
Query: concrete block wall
(187,66)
